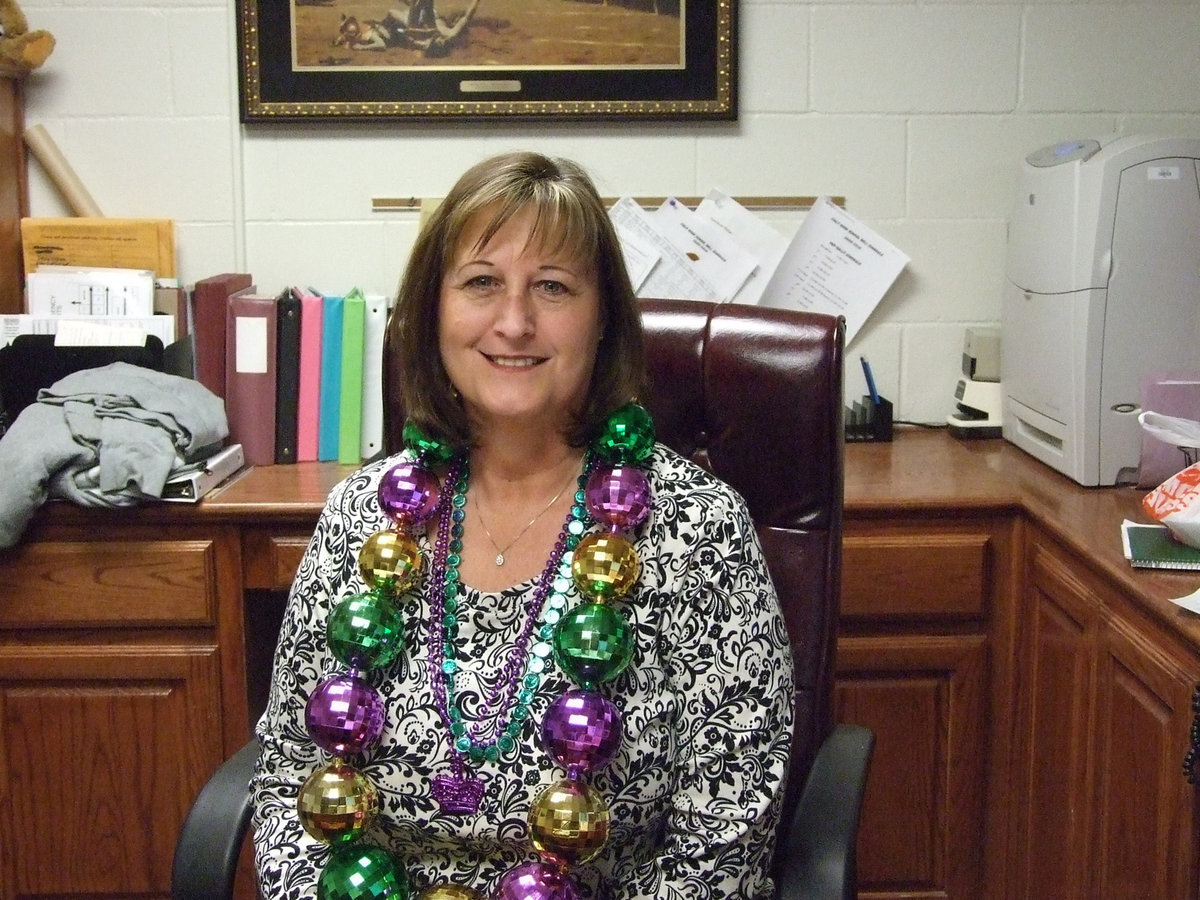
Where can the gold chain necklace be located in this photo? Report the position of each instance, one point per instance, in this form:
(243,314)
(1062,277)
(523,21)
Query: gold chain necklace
(501,551)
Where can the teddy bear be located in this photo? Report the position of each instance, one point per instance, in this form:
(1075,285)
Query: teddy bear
(20,48)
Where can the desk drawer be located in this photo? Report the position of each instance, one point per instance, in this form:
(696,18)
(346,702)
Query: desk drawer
(109,584)
(925,575)
(271,559)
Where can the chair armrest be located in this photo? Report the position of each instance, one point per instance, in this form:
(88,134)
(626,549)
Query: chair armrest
(818,862)
(210,842)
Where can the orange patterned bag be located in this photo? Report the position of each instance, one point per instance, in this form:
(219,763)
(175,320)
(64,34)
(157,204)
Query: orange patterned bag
(1176,503)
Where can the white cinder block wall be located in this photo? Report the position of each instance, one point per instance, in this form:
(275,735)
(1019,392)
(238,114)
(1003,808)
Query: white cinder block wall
(916,112)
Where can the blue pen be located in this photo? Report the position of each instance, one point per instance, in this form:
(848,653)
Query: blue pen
(870,381)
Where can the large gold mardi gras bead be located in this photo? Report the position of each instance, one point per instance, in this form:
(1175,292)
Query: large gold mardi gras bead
(450,892)
(605,565)
(568,822)
(390,558)
(337,803)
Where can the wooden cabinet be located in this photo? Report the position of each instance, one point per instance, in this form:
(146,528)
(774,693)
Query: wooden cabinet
(1030,693)
(121,690)
(921,626)
(1101,806)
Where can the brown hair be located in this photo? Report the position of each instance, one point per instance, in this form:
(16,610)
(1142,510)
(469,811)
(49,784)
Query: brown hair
(569,217)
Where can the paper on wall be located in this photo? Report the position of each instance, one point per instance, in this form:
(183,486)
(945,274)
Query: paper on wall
(640,255)
(673,276)
(712,251)
(835,264)
(765,243)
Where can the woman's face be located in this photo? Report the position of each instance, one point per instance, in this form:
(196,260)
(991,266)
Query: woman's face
(518,327)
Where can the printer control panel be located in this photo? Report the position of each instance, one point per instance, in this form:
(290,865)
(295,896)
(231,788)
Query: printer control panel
(1068,151)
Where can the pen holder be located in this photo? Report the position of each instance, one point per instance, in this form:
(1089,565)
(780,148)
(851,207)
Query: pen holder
(869,420)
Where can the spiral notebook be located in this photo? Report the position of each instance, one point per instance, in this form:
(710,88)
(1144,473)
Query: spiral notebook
(1153,547)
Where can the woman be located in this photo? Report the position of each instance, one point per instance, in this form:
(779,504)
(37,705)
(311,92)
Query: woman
(547,516)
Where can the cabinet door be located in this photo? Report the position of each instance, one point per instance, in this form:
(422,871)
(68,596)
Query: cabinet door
(102,750)
(923,830)
(1055,706)
(1144,842)
(920,661)
(1104,712)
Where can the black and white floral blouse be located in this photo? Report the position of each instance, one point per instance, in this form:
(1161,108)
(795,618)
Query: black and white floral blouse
(694,791)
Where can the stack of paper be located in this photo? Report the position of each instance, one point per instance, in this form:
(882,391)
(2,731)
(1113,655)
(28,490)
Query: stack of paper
(721,252)
(89,291)
(89,271)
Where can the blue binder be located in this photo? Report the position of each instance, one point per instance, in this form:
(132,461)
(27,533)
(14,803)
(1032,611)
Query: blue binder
(331,379)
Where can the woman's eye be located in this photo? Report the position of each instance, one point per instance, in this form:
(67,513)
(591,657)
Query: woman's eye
(481,281)
(553,288)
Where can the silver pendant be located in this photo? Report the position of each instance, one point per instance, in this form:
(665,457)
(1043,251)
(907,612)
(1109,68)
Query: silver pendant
(499,559)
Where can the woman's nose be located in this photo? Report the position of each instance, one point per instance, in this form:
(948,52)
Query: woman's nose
(515,315)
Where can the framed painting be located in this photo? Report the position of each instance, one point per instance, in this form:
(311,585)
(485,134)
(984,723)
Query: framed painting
(482,59)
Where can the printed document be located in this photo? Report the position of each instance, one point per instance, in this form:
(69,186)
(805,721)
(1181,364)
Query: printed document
(764,242)
(836,265)
(713,252)
(673,277)
(640,255)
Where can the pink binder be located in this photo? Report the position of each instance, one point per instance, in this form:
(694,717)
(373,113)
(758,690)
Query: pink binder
(308,408)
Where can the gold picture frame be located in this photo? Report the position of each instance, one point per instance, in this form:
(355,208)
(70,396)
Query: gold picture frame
(428,60)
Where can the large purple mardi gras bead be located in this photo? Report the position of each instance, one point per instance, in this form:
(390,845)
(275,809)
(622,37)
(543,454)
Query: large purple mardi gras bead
(581,731)
(535,881)
(618,496)
(409,493)
(344,715)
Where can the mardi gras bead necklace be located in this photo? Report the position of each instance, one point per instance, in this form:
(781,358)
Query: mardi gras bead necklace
(591,642)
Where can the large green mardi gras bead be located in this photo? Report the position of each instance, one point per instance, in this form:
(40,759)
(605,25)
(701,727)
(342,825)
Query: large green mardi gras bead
(362,872)
(423,447)
(365,630)
(337,803)
(627,437)
(592,643)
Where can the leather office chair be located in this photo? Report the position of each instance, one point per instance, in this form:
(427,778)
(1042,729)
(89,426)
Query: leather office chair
(755,396)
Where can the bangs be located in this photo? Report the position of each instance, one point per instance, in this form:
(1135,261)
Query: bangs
(563,223)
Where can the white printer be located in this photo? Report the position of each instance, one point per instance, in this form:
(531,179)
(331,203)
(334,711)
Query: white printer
(1103,287)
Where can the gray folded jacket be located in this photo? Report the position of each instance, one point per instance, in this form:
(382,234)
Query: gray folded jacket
(103,437)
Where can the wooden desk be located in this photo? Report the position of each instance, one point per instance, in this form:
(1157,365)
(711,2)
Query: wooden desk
(1030,691)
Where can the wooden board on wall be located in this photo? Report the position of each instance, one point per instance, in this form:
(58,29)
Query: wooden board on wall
(14,197)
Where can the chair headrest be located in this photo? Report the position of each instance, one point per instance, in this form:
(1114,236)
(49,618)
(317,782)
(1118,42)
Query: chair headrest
(754,395)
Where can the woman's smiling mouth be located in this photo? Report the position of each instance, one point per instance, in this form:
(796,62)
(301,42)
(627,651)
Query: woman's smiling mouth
(515,362)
